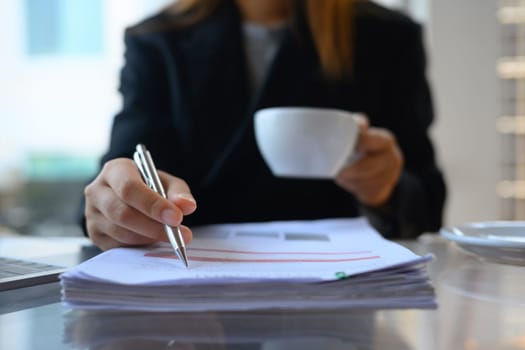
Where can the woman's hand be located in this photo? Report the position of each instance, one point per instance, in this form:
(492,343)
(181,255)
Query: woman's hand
(121,210)
(374,175)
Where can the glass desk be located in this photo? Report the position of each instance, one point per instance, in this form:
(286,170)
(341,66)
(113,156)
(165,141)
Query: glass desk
(481,306)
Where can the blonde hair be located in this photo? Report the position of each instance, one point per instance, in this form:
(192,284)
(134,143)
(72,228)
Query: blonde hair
(330,22)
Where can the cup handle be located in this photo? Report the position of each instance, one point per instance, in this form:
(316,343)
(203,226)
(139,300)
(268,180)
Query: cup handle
(352,158)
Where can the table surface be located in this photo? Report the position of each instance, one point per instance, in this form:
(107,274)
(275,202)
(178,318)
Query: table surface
(481,305)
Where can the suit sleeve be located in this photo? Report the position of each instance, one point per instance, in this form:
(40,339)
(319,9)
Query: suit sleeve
(418,200)
(146,107)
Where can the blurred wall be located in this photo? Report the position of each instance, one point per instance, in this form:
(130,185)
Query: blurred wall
(464,46)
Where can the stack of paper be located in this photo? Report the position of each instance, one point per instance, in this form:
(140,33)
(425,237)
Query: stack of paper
(295,264)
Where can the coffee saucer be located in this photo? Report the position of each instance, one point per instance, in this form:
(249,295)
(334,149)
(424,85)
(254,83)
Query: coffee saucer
(496,241)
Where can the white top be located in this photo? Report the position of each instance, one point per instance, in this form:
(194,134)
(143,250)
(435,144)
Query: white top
(261,44)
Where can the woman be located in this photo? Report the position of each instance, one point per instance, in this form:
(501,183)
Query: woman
(195,74)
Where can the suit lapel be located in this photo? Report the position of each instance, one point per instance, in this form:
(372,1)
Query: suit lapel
(220,105)
(214,58)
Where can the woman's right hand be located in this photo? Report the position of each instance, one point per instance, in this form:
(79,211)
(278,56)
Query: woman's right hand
(121,210)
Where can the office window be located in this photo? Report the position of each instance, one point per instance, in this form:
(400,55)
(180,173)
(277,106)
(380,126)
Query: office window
(58,94)
(64,27)
(511,123)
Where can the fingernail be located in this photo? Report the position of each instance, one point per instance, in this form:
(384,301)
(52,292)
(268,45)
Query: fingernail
(186,196)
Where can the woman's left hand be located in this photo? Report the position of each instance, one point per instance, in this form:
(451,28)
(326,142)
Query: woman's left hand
(374,175)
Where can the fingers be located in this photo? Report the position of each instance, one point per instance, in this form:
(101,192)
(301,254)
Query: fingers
(117,212)
(375,140)
(187,235)
(362,121)
(373,177)
(179,193)
(121,210)
(132,190)
(367,167)
(380,152)
(100,228)
(107,236)
(372,190)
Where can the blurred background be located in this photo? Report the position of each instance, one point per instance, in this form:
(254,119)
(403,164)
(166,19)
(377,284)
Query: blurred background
(59,68)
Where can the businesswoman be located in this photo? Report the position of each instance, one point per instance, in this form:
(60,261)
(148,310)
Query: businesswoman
(193,77)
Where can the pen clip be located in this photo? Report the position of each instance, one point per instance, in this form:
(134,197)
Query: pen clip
(139,161)
(147,168)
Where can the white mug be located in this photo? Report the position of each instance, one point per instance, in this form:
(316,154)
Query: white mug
(305,142)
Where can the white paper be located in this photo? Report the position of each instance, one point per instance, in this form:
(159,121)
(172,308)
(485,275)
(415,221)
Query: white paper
(257,265)
(276,250)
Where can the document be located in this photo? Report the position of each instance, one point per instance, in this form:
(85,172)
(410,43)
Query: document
(293,264)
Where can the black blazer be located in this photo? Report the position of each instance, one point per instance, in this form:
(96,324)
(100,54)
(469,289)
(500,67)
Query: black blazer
(186,95)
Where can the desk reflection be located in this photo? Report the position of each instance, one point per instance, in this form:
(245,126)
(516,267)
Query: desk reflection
(482,307)
(349,330)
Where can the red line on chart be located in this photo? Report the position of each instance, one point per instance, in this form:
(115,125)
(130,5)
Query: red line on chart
(213,259)
(276,253)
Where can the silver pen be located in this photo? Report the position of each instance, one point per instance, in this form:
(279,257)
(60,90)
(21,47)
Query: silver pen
(144,162)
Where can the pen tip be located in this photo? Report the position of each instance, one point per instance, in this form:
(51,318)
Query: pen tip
(181,253)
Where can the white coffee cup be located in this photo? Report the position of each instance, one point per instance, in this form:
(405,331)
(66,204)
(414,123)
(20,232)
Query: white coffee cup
(305,142)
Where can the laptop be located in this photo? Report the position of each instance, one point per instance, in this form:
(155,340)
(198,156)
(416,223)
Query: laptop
(20,271)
